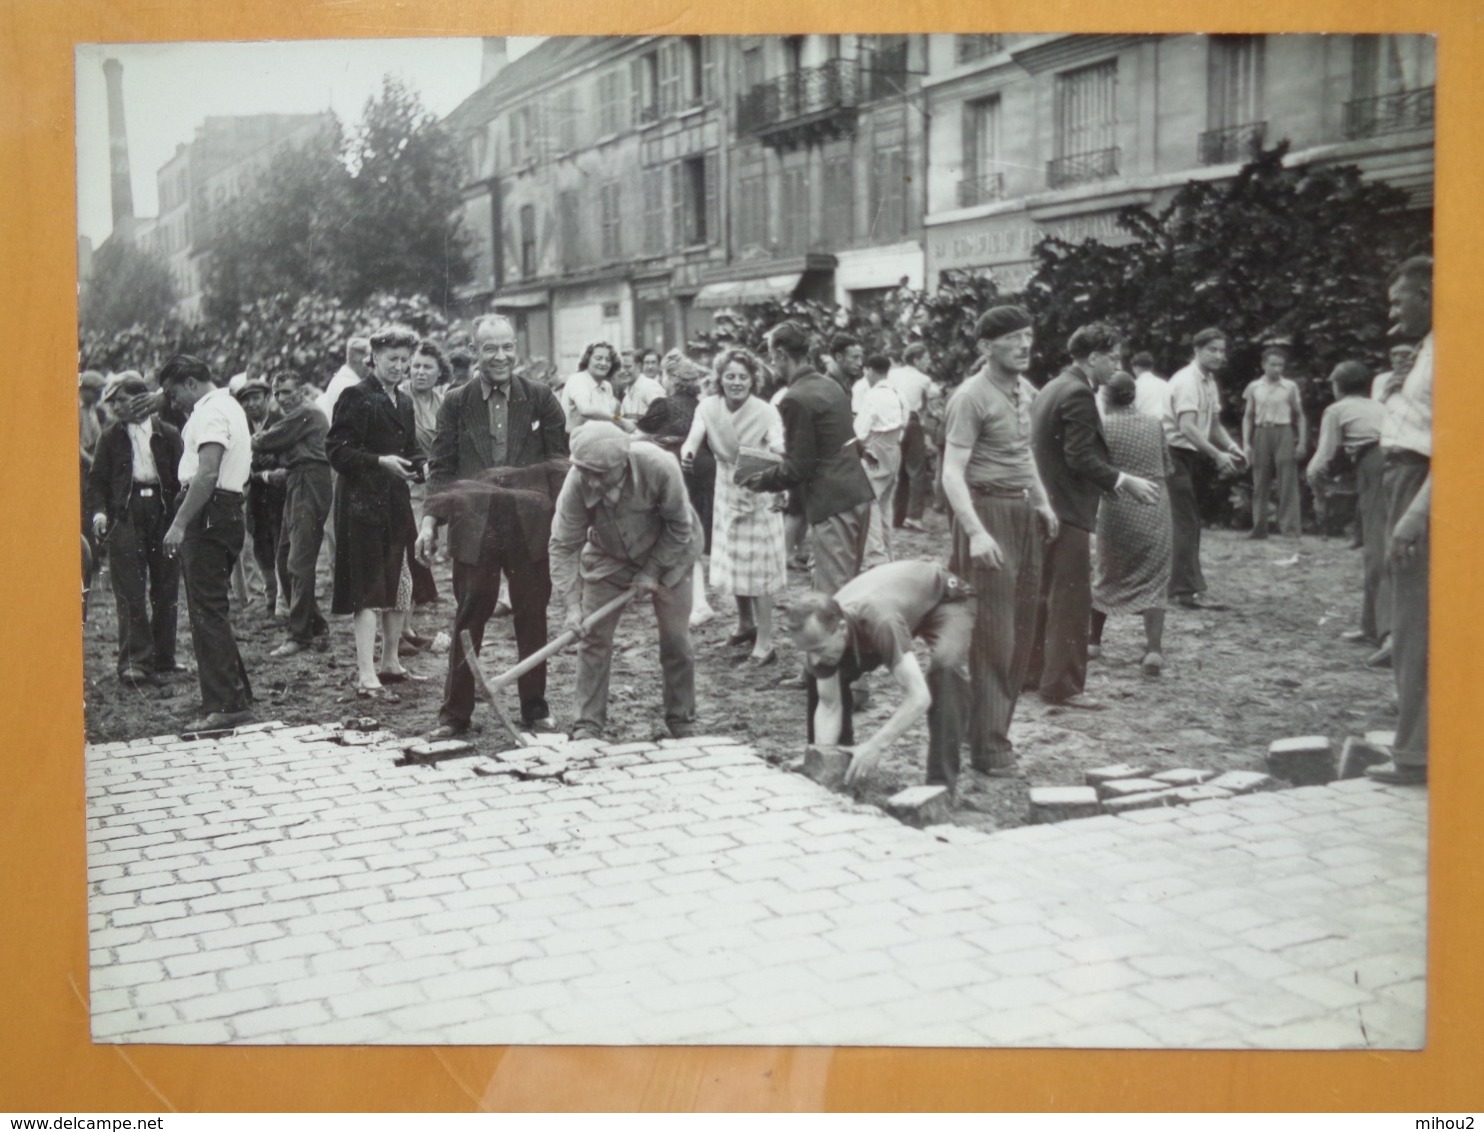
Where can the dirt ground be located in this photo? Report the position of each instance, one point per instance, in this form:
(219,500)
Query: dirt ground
(1273,666)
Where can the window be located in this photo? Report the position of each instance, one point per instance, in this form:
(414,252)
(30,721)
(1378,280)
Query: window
(527,240)
(693,200)
(886,65)
(752,212)
(697,69)
(476,156)
(609,221)
(611,103)
(839,201)
(1395,77)
(644,88)
(1086,125)
(888,193)
(654,211)
(971,47)
(1235,81)
(569,211)
(671,65)
(523,136)
(982,179)
(752,68)
(566,124)
(794,214)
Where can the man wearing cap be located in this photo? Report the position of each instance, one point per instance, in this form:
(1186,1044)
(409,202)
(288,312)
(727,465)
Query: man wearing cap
(1000,515)
(207,533)
(492,477)
(821,458)
(1195,434)
(131,493)
(624,521)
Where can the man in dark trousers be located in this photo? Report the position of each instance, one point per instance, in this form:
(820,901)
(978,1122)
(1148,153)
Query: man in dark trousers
(267,488)
(297,441)
(208,531)
(493,478)
(870,624)
(821,458)
(131,493)
(1072,458)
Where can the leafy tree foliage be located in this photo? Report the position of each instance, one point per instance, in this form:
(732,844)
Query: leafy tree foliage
(128,286)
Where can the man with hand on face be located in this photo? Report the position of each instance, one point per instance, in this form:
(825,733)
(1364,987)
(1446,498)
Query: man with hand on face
(623,521)
(870,624)
(1194,432)
(508,433)
(1073,461)
(1000,517)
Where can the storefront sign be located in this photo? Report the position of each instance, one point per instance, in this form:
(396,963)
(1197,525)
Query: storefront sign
(993,240)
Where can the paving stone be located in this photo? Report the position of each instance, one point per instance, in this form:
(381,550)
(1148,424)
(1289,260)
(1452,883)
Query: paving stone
(1097,776)
(1060,803)
(1306,760)
(1123,787)
(1381,738)
(1184,776)
(1245,782)
(1210,792)
(920,806)
(1149,799)
(1356,756)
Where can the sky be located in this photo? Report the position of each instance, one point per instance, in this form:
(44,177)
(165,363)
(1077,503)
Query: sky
(169,88)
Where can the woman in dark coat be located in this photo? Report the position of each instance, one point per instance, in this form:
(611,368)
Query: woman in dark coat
(372,443)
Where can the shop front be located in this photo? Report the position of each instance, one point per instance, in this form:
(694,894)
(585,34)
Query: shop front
(590,312)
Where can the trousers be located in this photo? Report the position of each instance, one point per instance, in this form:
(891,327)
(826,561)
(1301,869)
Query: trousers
(1004,622)
(1273,454)
(1058,664)
(146,585)
(213,542)
(1409,616)
(1375,609)
(595,652)
(476,591)
(840,547)
(1186,578)
(305,509)
(914,485)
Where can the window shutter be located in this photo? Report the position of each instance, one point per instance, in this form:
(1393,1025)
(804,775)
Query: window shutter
(669,77)
(677,204)
(971,162)
(713,198)
(708,68)
(636,89)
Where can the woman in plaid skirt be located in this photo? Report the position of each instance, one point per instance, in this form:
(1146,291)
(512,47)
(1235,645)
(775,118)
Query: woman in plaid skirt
(746,530)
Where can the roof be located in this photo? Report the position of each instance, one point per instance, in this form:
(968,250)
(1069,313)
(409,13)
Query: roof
(551,57)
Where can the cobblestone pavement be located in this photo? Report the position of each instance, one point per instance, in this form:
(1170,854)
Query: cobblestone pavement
(276,886)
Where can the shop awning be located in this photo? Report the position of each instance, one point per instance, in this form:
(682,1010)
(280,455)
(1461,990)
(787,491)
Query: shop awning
(742,292)
(525,302)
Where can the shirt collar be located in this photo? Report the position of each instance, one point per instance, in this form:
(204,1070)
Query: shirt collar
(488,388)
(592,496)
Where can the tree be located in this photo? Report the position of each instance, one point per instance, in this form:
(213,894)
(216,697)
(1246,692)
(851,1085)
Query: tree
(397,227)
(279,238)
(129,286)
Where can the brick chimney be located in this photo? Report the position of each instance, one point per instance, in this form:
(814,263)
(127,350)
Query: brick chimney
(118,146)
(493,60)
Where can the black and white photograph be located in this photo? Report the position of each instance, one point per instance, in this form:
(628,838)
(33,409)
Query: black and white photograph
(842,540)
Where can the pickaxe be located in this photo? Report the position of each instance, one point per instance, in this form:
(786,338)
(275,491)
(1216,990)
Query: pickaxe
(492,688)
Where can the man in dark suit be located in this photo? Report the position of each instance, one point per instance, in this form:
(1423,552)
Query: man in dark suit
(1072,458)
(821,458)
(131,491)
(507,434)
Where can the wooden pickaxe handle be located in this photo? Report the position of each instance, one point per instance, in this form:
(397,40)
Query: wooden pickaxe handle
(561,641)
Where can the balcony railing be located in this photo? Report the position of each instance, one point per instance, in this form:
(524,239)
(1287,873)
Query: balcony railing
(813,102)
(886,72)
(1390,113)
(1232,143)
(981,190)
(1077,168)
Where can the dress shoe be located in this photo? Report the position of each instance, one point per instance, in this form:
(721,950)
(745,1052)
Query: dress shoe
(449,731)
(913,525)
(1094,651)
(762,660)
(542,726)
(1152,664)
(1191,601)
(743,636)
(134,676)
(219,721)
(1381,658)
(1078,702)
(1357,636)
(288,648)
(1398,774)
(683,730)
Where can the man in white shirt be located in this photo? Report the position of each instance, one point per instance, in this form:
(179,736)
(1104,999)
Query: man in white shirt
(208,531)
(1401,355)
(1195,434)
(645,388)
(915,484)
(1274,439)
(356,369)
(880,421)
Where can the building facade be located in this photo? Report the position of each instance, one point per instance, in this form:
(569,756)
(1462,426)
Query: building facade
(1036,135)
(629,189)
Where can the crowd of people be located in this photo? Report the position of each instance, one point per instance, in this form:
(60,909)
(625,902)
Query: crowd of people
(651,476)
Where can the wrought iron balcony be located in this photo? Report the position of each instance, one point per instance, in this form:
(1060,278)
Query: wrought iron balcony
(1231,143)
(812,104)
(1390,113)
(1077,168)
(981,190)
(886,72)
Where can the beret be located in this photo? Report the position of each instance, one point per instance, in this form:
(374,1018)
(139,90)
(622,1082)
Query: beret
(1210,334)
(999,321)
(599,446)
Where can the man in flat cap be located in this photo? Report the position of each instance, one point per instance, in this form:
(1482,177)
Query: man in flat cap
(1195,434)
(1000,517)
(623,521)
